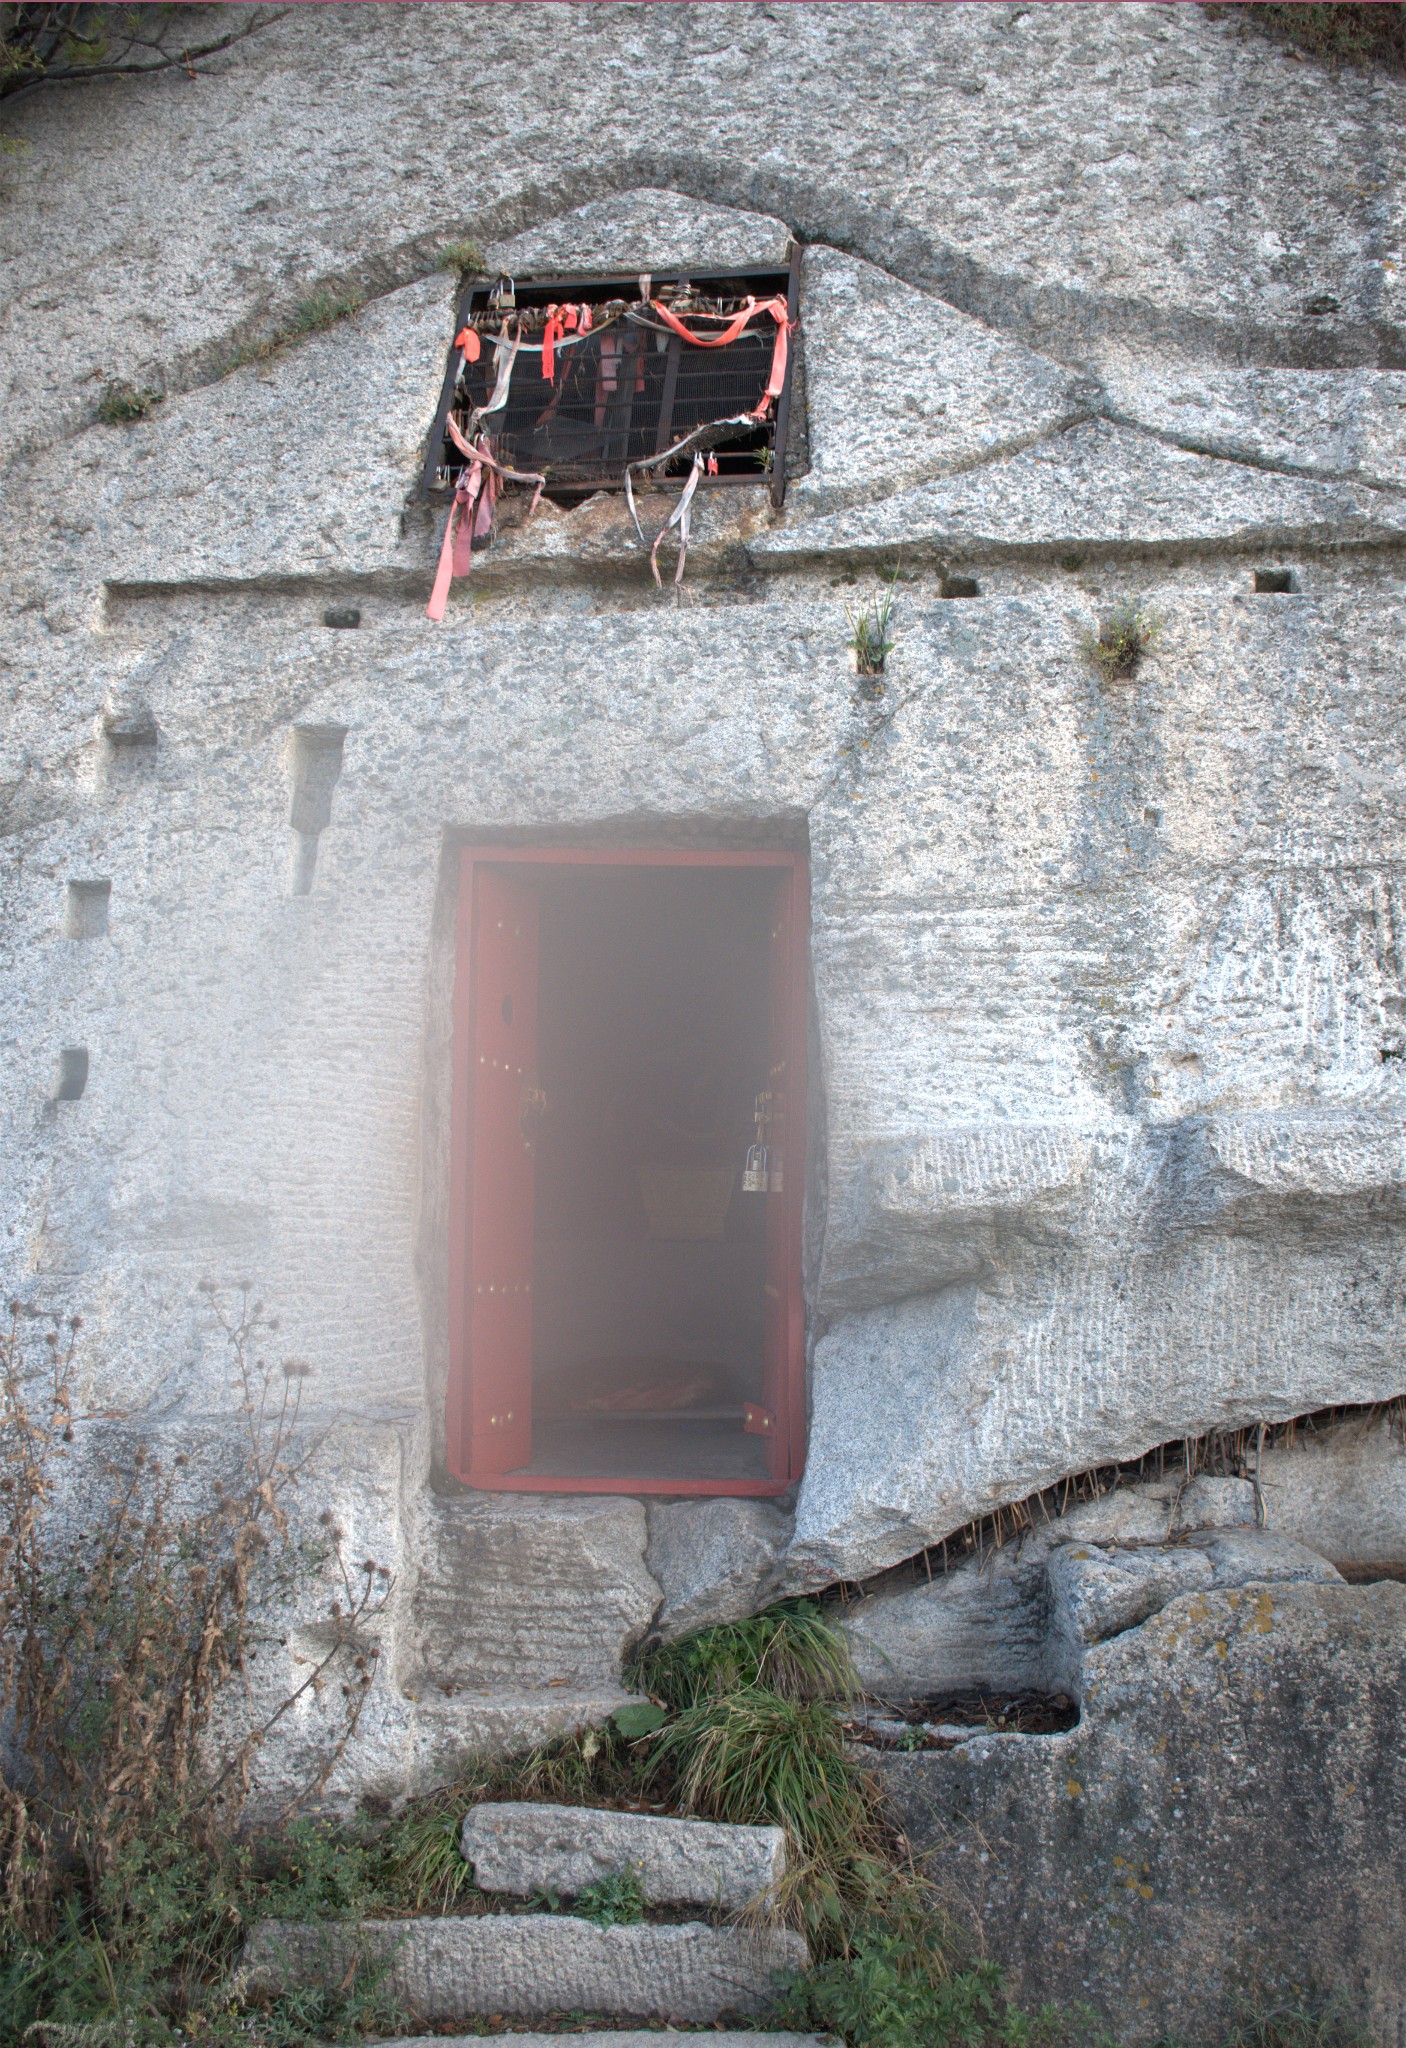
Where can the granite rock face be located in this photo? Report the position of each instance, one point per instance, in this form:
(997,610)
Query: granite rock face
(1107,1116)
(525,1847)
(1227,1818)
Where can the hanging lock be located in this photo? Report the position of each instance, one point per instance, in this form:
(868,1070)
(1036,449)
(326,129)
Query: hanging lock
(754,1173)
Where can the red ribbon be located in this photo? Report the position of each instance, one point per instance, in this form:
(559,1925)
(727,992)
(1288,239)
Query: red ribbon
(777,309)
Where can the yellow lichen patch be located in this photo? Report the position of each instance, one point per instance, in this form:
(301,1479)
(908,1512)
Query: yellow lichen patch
(1263,1618)
(1073,1787)
(1222,1649)
(1144,1891)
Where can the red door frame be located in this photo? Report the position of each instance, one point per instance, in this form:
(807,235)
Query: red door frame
(786,1316)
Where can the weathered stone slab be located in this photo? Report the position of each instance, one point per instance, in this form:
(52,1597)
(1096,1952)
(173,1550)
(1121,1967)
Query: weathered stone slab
(1095,486)
(521,1847)
(1331,421)
(901,387)
(530,1593)
(534,1963)
(1095,1594)
(647,229)
(715,1559)
(617,2037)
(1229,1815)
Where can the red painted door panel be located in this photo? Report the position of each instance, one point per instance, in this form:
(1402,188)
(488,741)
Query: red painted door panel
(501,1174)
(783,1358)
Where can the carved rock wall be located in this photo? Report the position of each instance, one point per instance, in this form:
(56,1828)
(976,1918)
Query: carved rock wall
(1108,982)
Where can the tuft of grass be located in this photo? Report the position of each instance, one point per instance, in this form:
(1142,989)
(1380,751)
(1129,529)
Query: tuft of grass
(425,1867)
(1362,33)
(461,256)
(324,308)
(120,404)
(1123,637)
(790,1650)
(869,631)
(1256,2025)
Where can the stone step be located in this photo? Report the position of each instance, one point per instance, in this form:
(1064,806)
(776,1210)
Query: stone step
(465,1721)
(529,1847)
(527,1592)
(532,1963)
(616,2037)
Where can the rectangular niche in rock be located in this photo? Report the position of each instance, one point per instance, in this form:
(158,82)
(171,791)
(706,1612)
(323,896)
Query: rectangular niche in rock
(576,379)
(625,1213)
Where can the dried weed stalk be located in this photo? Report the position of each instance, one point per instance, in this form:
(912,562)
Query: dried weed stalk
(131,1592)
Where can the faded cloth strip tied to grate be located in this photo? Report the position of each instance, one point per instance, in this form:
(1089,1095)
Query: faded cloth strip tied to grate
(585,396)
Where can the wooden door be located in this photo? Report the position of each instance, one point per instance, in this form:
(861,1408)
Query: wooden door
(496,1431)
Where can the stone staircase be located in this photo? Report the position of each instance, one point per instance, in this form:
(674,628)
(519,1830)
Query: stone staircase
(525,1964)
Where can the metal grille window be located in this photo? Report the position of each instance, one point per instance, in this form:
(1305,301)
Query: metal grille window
(600,379)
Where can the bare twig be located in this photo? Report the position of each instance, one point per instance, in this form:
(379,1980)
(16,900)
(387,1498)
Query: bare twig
(35,34)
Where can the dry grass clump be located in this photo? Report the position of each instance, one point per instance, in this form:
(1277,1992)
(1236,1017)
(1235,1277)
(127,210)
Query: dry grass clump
(135,1594)
(1339,32)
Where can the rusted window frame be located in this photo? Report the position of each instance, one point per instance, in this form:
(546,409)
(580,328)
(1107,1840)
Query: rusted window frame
(477,290)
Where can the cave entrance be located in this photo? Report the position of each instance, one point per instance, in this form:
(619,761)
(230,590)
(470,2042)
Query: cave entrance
(629,1105)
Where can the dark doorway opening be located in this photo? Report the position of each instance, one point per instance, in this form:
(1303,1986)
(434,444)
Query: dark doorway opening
(629,1112)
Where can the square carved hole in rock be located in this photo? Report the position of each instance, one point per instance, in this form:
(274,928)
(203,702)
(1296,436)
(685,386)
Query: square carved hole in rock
(601,377)
(1273,582)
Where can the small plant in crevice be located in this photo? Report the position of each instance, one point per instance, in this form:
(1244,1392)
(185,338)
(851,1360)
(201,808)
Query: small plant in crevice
(869,640)
(121,404)
(614,1901)
(461,256)
(1124,635)
(322,309)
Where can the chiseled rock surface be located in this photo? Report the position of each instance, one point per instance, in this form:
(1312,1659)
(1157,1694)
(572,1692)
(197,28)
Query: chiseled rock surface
(529,1591)
(1079,177)
(534,1963)
(646,230)
(1332,422)
(1343,1489)
(1108,989)
(1229,1816)
(523,1846)
(299,465)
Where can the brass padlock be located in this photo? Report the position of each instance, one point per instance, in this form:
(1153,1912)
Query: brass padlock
(754,1173)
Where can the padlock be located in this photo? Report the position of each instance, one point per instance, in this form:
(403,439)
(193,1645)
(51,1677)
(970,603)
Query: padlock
(754,1173)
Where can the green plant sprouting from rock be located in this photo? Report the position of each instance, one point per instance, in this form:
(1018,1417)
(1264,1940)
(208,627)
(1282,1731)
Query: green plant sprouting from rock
(1122,638)
(869,631)
(121,404)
